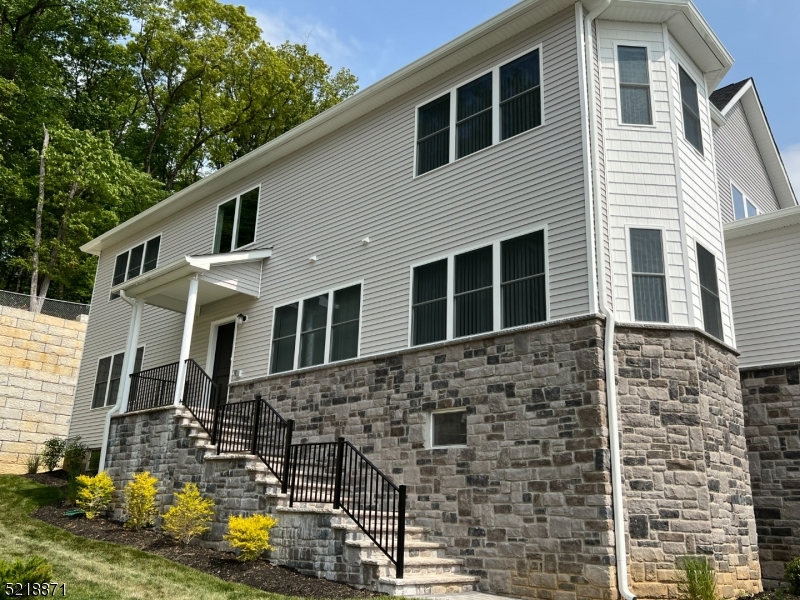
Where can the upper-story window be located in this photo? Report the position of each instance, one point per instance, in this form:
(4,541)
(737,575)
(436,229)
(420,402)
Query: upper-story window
(691,111)
(236,222)
(709,292)
(327,331)
(742,206)
(466,293)
(647,276)
(135,261)
(493,107)
(634,85)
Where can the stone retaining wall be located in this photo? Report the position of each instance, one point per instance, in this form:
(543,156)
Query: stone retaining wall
(39,360)
(772,419)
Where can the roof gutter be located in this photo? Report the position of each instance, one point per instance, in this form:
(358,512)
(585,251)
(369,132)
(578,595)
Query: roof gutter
(617,490)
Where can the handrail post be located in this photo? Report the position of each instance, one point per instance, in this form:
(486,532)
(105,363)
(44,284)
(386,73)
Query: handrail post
(222,418)
(337,487)
(287,455)
(401,532)
(256,422)
(215,425)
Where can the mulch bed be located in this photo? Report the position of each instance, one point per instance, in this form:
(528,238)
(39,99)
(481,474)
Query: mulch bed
(258,574)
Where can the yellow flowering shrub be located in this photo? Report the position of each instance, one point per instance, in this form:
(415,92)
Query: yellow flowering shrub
(190,516)
(250,535)
(94,493)
(140,500)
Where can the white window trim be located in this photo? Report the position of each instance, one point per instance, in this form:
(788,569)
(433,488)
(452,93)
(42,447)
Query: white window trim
(746,199)
(428,432)
(108,381)
(495,243)
(629,265)
(237,198)
(701,96)
(160,234)
(453,92)
(298,332)
(647,46)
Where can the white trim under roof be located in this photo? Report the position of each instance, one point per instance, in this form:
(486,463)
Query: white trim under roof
(754,111)
(786,217)
(684,21)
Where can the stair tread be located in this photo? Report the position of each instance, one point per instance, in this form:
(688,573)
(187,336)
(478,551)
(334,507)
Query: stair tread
(410,544)
(352,526)
(414,561)
(430,579)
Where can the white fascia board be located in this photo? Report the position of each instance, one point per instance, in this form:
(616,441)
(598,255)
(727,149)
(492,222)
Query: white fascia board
(771,221)
(716,116)
(229,258)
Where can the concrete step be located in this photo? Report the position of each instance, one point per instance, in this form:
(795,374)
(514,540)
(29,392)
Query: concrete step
(413,548)
(416,534)
(418,566)
(426,585)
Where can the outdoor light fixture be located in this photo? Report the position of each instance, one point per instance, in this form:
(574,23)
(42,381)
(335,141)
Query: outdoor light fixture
(241,318)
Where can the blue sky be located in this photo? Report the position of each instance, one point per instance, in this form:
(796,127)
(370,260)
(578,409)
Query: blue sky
(375,38)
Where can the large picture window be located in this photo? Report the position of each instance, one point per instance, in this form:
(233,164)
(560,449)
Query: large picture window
(236,222)
(481,299)
(135,261)
(326,333)
(465,119)
(709,292)
(692,130)
(634,85)
(109,376)
(647,274)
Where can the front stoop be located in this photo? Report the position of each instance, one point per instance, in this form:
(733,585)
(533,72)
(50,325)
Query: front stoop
(317,540)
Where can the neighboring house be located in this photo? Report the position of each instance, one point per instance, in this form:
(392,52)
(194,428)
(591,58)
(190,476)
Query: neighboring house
(441,269)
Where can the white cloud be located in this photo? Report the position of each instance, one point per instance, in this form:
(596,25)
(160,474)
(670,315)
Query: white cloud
(791,159)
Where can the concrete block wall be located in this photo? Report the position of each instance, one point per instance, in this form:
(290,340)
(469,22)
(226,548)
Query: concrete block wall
(39,360)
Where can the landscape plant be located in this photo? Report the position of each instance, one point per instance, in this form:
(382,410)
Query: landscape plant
(23,571)
(94,493)
(33,463)
(190,515)
(250,535)
(699,580)
(53,452)
(75,456)
(792,575)
(140,500)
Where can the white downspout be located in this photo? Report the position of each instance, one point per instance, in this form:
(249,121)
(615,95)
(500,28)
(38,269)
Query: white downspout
(617,491)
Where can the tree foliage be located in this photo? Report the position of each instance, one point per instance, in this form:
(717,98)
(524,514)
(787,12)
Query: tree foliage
(140,98)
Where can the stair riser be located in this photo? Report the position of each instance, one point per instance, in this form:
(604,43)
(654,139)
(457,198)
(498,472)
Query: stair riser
(424,590)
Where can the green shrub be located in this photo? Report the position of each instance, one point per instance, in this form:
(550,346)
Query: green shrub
(71,491)
(30,570)
(699,580)
(250,535)
(33,463)
(53,451)
(190,515)
(792,575)
(94,461)
(140,500)
(75,456)
(94,493)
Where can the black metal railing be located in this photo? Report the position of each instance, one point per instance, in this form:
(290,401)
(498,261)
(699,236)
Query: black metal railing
(153,387)
(200,396)
(272,441)
(313,472)
(237,421)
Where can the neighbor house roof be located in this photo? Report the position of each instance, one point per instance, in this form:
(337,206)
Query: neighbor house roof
(722,97)
(685,23)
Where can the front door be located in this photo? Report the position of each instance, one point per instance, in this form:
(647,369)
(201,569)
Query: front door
(223,353)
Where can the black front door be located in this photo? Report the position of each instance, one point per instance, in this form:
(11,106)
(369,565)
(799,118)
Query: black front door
(223,353)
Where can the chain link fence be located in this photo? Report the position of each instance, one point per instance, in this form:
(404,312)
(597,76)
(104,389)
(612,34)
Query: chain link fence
(54,308)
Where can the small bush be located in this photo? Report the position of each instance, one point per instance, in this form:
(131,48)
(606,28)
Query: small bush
(53,451)
(71,491)
(30,570)
(250,535)
(140,500)
(94,493)
(75,456)
(190,515)
(33,463)
(792,575)
(699,579)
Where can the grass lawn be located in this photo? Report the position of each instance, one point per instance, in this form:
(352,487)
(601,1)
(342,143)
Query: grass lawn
(96,570)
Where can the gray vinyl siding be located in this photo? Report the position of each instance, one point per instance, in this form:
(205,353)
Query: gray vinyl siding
(766,296)
(358,182)
(245,278)
(739,160)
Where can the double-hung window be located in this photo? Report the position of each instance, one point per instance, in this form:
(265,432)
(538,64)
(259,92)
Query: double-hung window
(135,261)
(691,111)
(236,222)
(491,108)
(709,292)
(109,375)
(481,299)
(326,332)
(742,206)
(647,274)
(634,85)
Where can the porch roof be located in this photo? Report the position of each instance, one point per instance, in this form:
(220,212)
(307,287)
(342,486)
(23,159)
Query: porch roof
(219,276)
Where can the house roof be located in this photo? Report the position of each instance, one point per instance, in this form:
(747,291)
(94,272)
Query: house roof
(745,92)
(684,21)
(771,221)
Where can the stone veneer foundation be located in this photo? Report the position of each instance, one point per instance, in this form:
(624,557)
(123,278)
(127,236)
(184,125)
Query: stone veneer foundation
(527,502)
(772,419)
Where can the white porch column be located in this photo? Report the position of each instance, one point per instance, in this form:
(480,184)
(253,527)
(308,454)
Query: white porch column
(188,325)
(130,354)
